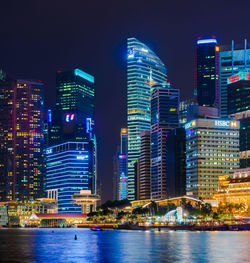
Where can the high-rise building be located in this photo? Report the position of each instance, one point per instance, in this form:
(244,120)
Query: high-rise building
(176,162)
(183,107)
(73,118)
(233,59)
(115,194)
(164,117)
(70,168)
(123,165)
(239,107)
(212,150)
(143,181)
(72,125)
(21,124)
(207,72)
(143,69)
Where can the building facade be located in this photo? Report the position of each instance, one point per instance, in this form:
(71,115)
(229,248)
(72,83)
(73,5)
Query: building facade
(143,68)
(21,124)
(73,118)
(235,189)
(143,181)
(123,165)
(212,150)
(232,59)
(183,108)
(70,169)
(239,107)
(164,117)
(207,72)
(176,162)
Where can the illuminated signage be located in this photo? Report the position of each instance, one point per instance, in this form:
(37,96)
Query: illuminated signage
(89,125)
(190,125)
(69,117)
(242,75)
(130,53)
(49,116)
(207,41)
(82,157)
(122,156)
(48,151)
(223,123)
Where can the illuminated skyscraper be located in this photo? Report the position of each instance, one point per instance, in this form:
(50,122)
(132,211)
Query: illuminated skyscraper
(143,69)
(21,139)
(212,150)
(207,72)
(233,59)
(164,117)
(70,169)
(72,129)
(73,118)
(239,107)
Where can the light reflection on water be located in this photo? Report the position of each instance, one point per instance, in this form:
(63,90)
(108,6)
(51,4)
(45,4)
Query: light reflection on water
(41,245)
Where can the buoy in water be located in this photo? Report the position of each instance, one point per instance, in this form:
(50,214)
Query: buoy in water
(75,237)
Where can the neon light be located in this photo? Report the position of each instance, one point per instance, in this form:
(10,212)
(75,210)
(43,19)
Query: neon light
(48,151)
(122,156)
(84,75)
(207,41)
(49,116)
(222,123)
(190,124)
(69,117)
(82,157)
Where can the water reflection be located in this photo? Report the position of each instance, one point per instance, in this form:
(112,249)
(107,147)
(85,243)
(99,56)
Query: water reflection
(42,245)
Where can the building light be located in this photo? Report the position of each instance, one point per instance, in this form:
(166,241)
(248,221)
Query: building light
(207,41)
(144,50)
(82,157)
(48,151)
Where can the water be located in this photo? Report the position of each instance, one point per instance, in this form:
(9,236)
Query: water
(41,245)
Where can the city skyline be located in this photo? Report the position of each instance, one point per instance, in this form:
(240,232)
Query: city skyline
(52,55)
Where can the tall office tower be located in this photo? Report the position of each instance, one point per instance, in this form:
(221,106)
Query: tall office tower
(143,69)
(212,149)
(164,117)
(176,162)
(7,135)
(233,59)
(207,72)
(22,139)
(239,107)
(73,121)
(123,165)
(183,106)
(70,169)
(143,181)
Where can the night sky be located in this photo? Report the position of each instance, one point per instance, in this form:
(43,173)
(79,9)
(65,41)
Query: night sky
(37,38)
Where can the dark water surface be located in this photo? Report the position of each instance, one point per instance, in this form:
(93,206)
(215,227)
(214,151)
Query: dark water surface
(41,245)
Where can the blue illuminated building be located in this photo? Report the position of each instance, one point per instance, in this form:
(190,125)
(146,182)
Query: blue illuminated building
(207,72)
(144,68)
(233,58)
(70,168)
(123,166)
(164,117)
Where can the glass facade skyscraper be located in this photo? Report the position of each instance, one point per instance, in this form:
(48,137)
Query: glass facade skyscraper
(143,69)
(233,59)
(164,117)
(207,72)
(71,155)
(73,118)
(70,168)
(239,107)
